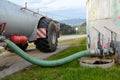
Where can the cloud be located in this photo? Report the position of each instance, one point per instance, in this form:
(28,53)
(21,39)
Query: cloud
(55,8)
(51,5)
(65,4)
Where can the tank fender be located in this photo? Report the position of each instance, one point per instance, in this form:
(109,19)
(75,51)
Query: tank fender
(38,32)
(33,35)
(41,31)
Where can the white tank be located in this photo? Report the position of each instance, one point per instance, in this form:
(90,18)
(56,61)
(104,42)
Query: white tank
(19,21)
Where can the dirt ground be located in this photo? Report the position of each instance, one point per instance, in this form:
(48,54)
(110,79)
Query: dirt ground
(11,63)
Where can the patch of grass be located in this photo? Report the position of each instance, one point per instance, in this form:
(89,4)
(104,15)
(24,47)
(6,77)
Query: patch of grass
(31,46)
(73,42)
(2,50)
(69,71)
(82,30)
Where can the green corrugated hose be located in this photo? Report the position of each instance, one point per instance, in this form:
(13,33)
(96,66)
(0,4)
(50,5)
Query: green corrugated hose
(39,62)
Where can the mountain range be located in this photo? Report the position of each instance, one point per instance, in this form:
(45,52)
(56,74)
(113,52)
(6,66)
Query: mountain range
(73,22)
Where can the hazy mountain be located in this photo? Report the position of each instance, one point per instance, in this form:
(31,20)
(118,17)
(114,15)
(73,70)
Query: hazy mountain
(73,22)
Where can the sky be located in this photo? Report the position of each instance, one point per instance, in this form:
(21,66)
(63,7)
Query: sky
(57,9)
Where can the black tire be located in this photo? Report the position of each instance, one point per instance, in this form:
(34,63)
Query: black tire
(23,46)
(48,44)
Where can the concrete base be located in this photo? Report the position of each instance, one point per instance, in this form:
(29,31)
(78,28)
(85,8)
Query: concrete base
(96,62)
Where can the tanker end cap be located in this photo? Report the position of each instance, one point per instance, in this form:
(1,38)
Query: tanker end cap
(2,38)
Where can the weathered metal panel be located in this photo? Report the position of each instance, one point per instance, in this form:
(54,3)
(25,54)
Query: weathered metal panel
(98,9)
(103,23)
(103,9)
(92,9)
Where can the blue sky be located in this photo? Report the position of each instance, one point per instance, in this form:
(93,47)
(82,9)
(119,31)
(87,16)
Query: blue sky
(57,9)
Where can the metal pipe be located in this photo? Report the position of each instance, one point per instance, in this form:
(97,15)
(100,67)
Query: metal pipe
(39,62)
(99,44)
(113,40)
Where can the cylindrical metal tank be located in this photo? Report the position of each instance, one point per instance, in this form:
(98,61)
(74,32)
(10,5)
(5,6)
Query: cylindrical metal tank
(19,21)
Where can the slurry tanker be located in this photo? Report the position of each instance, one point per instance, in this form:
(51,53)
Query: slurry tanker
(22,25)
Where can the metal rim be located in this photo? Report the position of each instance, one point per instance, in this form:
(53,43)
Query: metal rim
(106,65)
(53,37)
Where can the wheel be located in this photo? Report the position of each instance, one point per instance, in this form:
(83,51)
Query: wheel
(48,44)
(23,46)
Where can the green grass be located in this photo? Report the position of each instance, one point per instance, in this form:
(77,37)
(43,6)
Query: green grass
(2,50)
(73,42)
(31,46)
(69,71)
(82,30)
